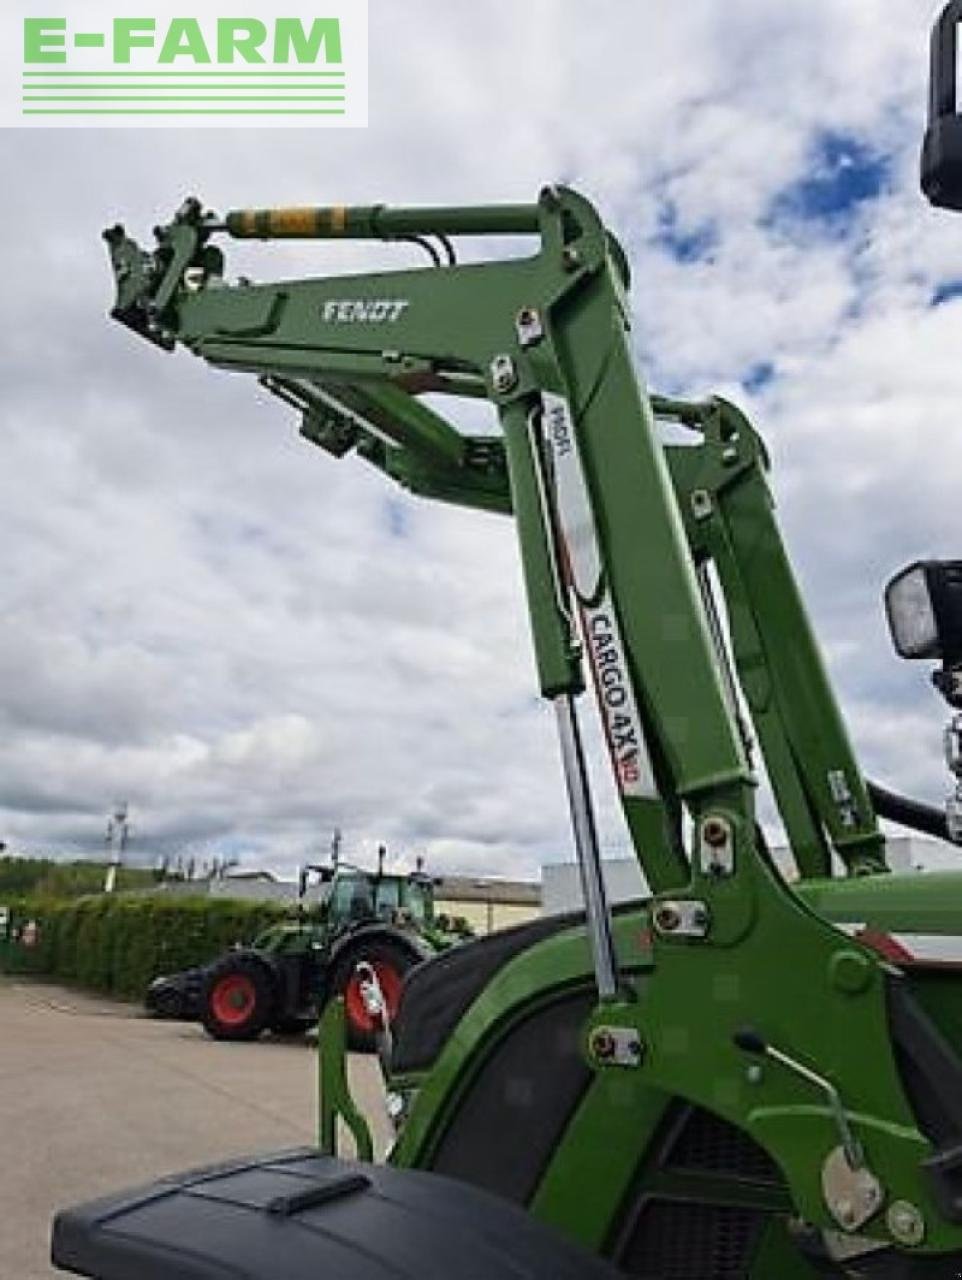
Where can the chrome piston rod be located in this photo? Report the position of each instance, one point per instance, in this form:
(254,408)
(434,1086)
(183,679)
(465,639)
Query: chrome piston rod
(597,913)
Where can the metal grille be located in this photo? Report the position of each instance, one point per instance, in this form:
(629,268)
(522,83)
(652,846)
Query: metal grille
(705,1143)
(675,1240)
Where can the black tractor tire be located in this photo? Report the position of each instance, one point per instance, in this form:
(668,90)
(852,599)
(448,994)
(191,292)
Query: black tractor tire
(238,997)
(391,961)
(292,1026)
(168,1003)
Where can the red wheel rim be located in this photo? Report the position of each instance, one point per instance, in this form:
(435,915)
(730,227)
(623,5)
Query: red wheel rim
(391,982)
(233,999)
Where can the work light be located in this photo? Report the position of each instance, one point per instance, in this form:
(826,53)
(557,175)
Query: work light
(924,607)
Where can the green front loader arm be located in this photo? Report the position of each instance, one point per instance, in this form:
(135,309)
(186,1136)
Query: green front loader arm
(612,537)
(729,514)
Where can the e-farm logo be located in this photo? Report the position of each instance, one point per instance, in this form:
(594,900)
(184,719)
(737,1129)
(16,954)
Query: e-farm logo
(90,66)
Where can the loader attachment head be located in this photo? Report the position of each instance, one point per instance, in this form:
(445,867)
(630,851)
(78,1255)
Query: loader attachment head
(146,281)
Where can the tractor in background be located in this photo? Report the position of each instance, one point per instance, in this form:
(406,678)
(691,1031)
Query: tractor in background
(283,980)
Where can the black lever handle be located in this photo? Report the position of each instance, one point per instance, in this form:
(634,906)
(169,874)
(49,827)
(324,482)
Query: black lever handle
(750,1041)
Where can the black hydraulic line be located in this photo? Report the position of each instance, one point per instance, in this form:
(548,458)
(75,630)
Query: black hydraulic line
(448,249)
(426,245)
(914,814)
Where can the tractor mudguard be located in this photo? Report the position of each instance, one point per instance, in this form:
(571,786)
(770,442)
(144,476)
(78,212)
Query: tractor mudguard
(253,953)
(371,929)
(438,993)
(305,1216)
(375,932)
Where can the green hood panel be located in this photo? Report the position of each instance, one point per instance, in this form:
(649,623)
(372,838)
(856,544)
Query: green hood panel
(916,902)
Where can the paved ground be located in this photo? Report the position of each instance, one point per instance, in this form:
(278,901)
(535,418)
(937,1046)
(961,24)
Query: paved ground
(94,1098)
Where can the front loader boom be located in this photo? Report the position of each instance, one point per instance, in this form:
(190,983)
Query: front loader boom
(621,540)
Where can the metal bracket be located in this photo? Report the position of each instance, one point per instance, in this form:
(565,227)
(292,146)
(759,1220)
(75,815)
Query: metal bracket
(841,793)
(953,758)
(853,1194)
(616,1046)
(528,326)
(717,847)
(334,1092)
(681,918)
(702,506)
(504,375)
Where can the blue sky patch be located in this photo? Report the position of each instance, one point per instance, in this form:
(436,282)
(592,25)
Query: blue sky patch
(396,517)
(758,375)
(686,244)
(945,291)
(843,173)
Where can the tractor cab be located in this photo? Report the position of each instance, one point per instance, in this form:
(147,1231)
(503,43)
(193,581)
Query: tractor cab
(393,898)
(352,897)
(415,894)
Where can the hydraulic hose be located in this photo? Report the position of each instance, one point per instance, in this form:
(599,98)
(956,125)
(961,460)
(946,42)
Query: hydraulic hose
(914,814)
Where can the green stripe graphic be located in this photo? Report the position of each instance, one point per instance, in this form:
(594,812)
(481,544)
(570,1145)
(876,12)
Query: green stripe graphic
(184,97)
(176,111)
(187,92)
(152,86)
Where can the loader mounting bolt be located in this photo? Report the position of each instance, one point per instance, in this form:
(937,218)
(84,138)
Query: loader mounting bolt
(905,1223)
(528,326)
(715,832)
(668,919)
(603,1045)
(504,375)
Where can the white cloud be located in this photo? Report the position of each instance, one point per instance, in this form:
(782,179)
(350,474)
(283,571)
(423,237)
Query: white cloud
(207,616)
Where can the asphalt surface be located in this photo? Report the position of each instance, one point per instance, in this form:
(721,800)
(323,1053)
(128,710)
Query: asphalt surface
(95,1098)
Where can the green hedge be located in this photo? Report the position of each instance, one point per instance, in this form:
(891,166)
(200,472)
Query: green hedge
(118,943)
(46,878)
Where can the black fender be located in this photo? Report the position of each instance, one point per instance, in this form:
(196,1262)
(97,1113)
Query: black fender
(302,1213)
(266,961)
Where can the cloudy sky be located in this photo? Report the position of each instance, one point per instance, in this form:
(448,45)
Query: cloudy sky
(252,643)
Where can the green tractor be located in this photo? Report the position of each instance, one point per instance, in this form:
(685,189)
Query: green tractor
(283,980)
(747,1075)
